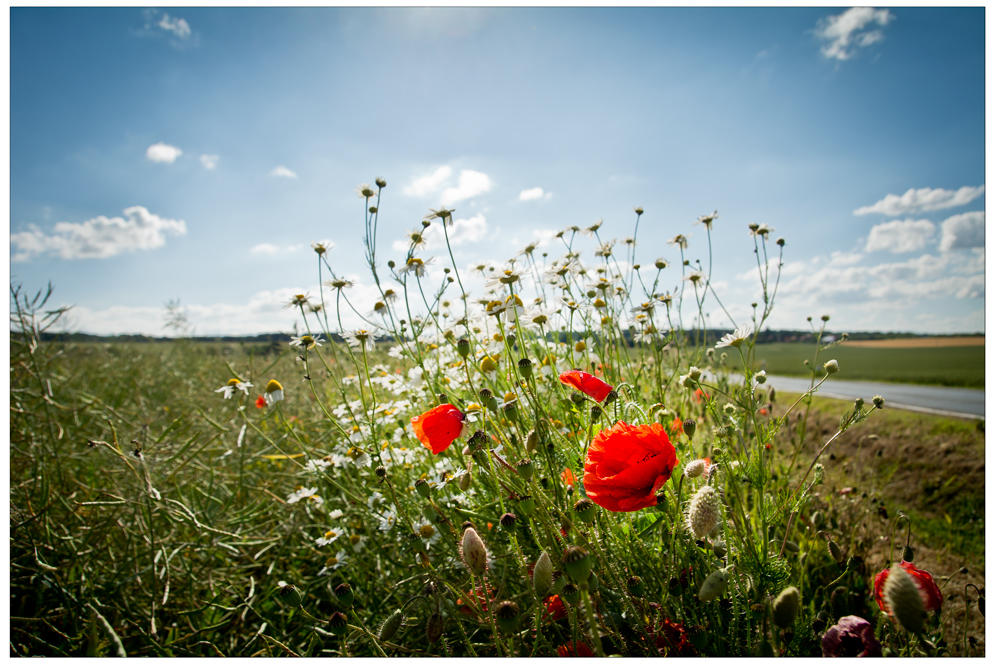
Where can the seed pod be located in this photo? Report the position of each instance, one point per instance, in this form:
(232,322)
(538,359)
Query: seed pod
(635,586)
(542,575)
(578,563)
(585,510)
(474,552)
(337,623)
(291,596)
(463,348)
(389,627)
(525,367)
(524,468)
(612,397)
(526,505)
(423,488)
(674,587)
(511,411)
(508,521)
(434,626)
(593,582)
(571,593)
(786,607)
(689,427)
(506,616)
(901,596)
(344,595)
(714,585)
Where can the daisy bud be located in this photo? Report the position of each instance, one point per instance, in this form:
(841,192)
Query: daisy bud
(291,596)
(526,505)
(780,241)
(525,367)
(831,367)
(714,585)
(508,521)
(434,626)
(760,377)
(570,593)
(689,427)
(695,468)
(423,488)
(524,468)
(390,626)
(337,623)
(825,318)
(902,597)
(704,512)
(878,401)
(577,562)
(425,223)
(473,552)
(694,373)
(373,209)
(343,594)
(584,509)
(635,586)
(392,265)
(858,403)
(542,575)
(507,616)
(786,607)
(381,183)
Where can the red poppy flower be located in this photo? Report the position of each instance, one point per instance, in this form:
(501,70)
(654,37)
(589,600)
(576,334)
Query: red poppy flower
(932,598)
(672,638)
(261,402)
(677,426)
(479,598)
(626,466)
(439,427)
(590,385)
(568,477)
(554,608)
(700,394)
(581,650)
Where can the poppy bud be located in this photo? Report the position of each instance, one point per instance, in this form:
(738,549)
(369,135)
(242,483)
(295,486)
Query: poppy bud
(819,622)
(343,594)
(584,509)
(423,488)
(465,480)
(433,628)
(901,595)
(766,650)
(635,586)
(695,468)
(508,521)
(337,623)
(531,441)
(908,555)
(524,468)
(831,367)
(714,585)
(474,552)
(835,552)
(526,505)
(525,367)
(465,525)
(430,514)
(571,593)
(291,596)
(542,575)
(507,616)
(593,582)
(786,607)
(704,512)
(840,601)
(578,563)
(390,625)
(719,548)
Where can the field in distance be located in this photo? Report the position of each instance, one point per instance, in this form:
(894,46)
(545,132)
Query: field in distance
(888,360)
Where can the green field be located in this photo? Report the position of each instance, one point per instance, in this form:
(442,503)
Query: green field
(955,367)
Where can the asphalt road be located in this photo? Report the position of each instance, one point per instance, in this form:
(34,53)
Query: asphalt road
(958,401)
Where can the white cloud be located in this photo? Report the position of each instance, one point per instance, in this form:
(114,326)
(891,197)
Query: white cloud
(210,161)
(530,194)
(162,153)
(963,231)
(471,183)
(900,236)
(852,30)
(544,235)
(429,183)
(282,172)
(99,237)
(177,26)
(267,249)
(922,200)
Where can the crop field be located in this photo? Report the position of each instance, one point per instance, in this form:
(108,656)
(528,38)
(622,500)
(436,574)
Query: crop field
(472,486)
(955,366)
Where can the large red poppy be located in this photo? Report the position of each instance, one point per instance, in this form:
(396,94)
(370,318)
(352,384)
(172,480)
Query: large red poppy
(590,385)
(439,427)
(932,598)
(626,466)
(570,649)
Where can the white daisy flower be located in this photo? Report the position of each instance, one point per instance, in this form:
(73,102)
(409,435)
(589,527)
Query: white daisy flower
(736,337)
(365,338)
(306,341)
(334,562)
(301,494)
(232,385)
(387,520)
(274,392)
(329,537)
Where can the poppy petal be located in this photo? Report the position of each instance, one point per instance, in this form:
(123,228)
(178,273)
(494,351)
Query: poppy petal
(590,385)
(439,427)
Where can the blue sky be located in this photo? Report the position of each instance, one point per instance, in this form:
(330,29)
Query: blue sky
(196,153)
